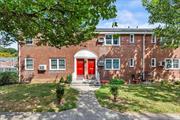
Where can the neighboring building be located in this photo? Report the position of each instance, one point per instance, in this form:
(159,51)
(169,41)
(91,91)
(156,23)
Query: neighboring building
(8,64)
(112,53)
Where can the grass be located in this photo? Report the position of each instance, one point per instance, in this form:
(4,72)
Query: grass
(35,98)
(142,98)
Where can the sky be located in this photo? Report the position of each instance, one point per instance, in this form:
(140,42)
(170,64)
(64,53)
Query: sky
(129,13)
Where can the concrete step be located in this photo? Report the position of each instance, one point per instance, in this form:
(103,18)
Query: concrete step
(85,83)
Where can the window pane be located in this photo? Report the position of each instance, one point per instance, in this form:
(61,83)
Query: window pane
(109,39)
(29,63)
(61,63)
(131,62)
(115,41)
(29,41)
(53,63)
(175,63)
(116,63)
(108,36)
(108,64)
(168,63)
(153,62)
(131,38)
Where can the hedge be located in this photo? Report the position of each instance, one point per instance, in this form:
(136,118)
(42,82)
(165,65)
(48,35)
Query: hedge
(8,78)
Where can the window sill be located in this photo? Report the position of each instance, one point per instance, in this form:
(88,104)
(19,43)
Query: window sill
(111,69)
(175,69)
(29,69)
(57,69)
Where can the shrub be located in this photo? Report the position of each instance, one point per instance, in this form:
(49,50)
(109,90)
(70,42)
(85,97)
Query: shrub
(116,81)
(177,82)
(8,78)
(114,84)
(69,79)
(114,91)
(61,80)
(60,92)
(164,82)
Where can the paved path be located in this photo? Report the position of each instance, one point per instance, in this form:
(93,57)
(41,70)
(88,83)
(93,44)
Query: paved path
(88,109)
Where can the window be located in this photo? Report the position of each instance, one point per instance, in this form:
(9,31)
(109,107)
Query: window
(131,40)
(29,41)
(131,62)
(61,63)
(112,63)
(29,64)
(112,40)
(108,39)
(153,62)
(172,63)
(153,39)
(57,64)
(176,63)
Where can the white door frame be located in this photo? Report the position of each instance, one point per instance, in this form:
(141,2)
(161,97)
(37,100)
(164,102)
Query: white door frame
(84,54)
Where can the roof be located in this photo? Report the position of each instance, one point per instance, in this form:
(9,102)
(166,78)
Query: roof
(125,30)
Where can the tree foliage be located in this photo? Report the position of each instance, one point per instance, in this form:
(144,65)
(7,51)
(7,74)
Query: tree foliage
(59,22)
(8,52)
(167,13)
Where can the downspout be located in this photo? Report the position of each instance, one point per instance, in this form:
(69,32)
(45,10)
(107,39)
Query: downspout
(19,62)
(143,57)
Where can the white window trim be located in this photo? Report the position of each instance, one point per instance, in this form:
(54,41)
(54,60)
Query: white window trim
(172,64)
(155,62)
(130,38)
(112,41)
(26,64)
(133,64)
(153,39)
(112,64)
(57,59)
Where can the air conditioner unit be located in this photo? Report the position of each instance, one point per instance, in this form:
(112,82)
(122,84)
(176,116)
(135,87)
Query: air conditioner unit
(161,63)
(100,40)
(42,67)
(101,63)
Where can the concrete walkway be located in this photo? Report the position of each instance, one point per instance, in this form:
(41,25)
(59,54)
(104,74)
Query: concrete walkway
(88,109)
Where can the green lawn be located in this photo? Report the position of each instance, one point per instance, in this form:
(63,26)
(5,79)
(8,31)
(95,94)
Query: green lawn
(35,98)
(142,98)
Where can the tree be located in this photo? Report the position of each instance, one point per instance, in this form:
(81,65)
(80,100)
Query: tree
(56,22)
(8,52)
(114,92)
(114,86)
(167,13)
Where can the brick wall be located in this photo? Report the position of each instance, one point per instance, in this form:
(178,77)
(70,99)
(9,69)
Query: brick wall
(42,54)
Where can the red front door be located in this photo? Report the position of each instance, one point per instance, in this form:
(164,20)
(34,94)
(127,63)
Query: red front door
(91,66)
(80,66)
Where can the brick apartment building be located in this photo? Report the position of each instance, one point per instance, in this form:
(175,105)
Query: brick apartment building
(8,64)
(123,53)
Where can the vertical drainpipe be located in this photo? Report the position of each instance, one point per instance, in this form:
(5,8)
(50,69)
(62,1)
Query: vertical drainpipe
(19,62)
(143,58)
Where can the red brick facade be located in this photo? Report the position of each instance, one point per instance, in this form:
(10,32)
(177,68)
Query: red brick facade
(126,50)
